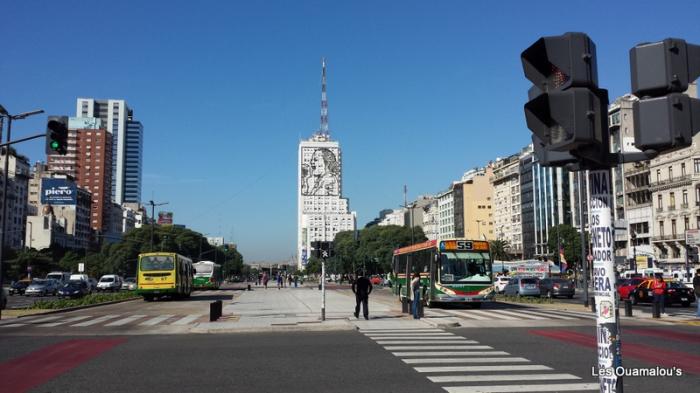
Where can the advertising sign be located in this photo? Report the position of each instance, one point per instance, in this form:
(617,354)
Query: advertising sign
(58,192)
(165,218)
(81,267)
(84,123)
(602,240)
(692,237)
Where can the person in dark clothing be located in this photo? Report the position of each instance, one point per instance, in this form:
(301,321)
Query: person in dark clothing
(696,288)
(361,287)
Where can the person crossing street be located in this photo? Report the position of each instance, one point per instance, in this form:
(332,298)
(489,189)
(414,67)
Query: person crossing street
(361,287)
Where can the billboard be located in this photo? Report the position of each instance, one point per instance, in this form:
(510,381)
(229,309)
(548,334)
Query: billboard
(84,123)
(165,218)
(58,192)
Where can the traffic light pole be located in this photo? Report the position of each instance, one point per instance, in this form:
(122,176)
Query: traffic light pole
(603,251)
(323,288)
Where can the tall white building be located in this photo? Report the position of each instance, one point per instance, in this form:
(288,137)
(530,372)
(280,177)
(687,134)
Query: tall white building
(127,144)
(322,211)
(506,200)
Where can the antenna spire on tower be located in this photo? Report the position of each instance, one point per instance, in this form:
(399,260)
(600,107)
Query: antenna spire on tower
(324,101)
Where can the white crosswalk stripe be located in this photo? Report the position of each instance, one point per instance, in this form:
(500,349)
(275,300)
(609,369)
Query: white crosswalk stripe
(69,320)
(126,320)
(156,320)
(186,320)
(96,320)
(510,314)
(432,353)
(45,319)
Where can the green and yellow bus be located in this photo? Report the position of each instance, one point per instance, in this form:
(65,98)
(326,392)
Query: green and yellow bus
(451,271)
(207,275)
(164,274)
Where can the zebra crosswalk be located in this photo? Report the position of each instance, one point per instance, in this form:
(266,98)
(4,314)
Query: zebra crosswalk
(471,367)
(108,321)
(531,316)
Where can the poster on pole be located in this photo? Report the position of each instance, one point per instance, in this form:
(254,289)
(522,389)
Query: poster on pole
(603,252)
(165,218)
(692,237)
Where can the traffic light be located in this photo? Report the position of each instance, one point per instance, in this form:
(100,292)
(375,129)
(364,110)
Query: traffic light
(664,118)
(692,254)
(547,157)
(57,135)
(567,111)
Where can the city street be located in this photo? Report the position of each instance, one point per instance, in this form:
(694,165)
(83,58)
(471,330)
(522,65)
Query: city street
(272,339)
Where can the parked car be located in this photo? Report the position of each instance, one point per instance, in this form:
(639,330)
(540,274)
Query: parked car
(375,279)
(499,283)
(41,287)
(19,287)
(74,289)
(676,292)
(129,284)
(522,286)
(60,277)
(553,287)
(109,282)
(92,283)
(626,285)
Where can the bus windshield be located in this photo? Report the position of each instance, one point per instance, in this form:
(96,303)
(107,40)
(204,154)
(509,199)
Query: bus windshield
(463,266)
(203,269)
(157,263)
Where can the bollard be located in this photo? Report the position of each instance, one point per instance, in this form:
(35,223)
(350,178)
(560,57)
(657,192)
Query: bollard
(628,308)
(656,310)
(249,287)
(212,312)
(420,310)
(593,304)
(319,286)
(405,306)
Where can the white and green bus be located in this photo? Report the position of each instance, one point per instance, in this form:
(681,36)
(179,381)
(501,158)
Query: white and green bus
(207,275)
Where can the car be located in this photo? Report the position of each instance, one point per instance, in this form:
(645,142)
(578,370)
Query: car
(626,285)
(109,282)
(19,287)
(41,287)
(553,287)
(676,292)
(61,277)
(73,289)
(499,283)
(375,279)
(522,286)
(129,284)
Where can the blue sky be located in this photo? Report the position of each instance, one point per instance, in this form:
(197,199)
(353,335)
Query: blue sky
(419,91)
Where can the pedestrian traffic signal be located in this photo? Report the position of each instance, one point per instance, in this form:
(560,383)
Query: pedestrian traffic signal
(570,112)
(664,118)
(57,135)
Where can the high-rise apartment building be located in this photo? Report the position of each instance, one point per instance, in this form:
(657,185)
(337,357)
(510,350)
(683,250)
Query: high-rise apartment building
(473,198)
(506,203)
(16,205)
(322,211)
(446,213)
(94,173)
(126,144)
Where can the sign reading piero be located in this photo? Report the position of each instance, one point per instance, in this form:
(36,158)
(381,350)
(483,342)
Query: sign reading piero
(58,192)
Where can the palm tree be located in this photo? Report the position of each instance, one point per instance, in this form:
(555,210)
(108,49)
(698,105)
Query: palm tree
(499,249)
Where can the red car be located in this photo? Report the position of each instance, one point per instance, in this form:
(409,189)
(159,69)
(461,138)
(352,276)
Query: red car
(376,280)
(626,286)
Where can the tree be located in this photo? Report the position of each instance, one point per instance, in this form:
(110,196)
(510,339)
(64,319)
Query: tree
(499,250)
(570,240)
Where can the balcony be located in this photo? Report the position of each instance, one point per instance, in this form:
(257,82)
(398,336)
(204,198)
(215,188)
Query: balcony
(671,207)
(637,168)
(659,209)
(684,205)
(672,182)
(666,238)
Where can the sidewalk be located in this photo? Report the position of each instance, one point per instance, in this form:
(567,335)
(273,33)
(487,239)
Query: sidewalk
(300,309)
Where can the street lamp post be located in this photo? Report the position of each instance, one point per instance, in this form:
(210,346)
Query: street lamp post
(634,250)
(153,217)
(5,115)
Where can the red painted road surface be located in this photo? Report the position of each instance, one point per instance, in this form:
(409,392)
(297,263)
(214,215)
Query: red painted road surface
(657,356)
(36,368)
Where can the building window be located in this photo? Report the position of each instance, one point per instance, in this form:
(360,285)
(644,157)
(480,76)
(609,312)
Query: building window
(696,165)
(673,227)
(672,202)
(658,175)
(685,198)
(686,223)
(683,169)
(660,198)
(670,173)
(661,228)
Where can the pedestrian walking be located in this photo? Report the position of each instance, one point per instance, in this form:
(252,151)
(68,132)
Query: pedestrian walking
(280,281)
(296,280)
(265,279)
(362,287)
(415,289)
(696,287)
(658,289)
(289,280)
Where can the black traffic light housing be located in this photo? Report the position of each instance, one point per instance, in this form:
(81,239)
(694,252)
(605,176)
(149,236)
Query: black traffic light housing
(57,135)
(567,112)
(664,118)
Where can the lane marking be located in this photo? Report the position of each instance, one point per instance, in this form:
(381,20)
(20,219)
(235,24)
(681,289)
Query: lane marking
(186,320)
(454,353)
(560,387)
(45,319)
(96,320)
(407,334)
(156,320)
(468,369)
(548,315)
(370,331)
(424,342)
(434,347)
(465,360)
(467,315)
(500,377)
(126,320)
(13,325)
(521,315)
(69,320)
(422,338)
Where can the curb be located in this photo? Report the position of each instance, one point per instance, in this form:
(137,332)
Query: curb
(441,325)
(80,307)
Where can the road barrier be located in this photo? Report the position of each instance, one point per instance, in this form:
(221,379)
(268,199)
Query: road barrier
(215,309)
(628,308)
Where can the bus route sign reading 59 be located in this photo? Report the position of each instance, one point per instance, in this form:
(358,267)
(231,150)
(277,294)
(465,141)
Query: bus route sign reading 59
(464,245)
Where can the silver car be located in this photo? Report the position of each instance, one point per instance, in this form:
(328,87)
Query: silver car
(522,286)
(40,287)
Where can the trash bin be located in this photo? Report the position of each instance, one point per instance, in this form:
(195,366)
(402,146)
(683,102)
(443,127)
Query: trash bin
(405,305)
(628,308)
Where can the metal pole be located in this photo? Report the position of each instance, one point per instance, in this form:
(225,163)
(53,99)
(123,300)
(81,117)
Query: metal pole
(3,209)
(603,251)
(323,289)
(153,221)
(584,259)
(634,252)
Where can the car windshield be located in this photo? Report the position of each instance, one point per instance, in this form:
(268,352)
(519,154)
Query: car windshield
(56,276)
(560,281)
(72,284)
(37,281)
(464,266)
(107,279)
(204,269)
(157,263)
(130,279)
(528,281)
